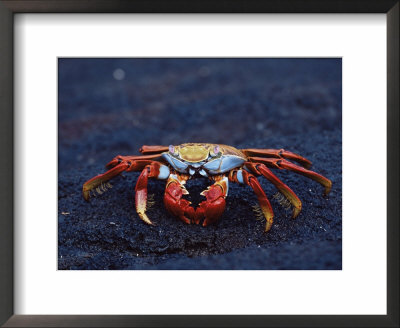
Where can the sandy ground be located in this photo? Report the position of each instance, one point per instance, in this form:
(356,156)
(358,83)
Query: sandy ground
(114,106)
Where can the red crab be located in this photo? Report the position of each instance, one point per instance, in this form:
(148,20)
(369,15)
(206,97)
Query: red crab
(220,164)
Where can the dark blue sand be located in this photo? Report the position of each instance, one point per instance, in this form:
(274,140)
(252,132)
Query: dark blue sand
(114,106)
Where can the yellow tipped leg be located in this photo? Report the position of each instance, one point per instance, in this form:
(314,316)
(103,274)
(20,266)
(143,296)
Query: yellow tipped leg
(145,218)
(86,192)
(276,153)
(141,195)
(263,201)
(152,170)
(243,176)
(269,216)
(283,188)
(328,186)
(100,179)
(141,201)
(284,164)
(308,173)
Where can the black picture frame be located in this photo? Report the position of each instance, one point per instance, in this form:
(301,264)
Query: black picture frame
(10,7)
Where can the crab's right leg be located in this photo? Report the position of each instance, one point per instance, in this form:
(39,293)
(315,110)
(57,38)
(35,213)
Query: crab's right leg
(152,170)
(153,149)
(118,165)
(130,159)
(245,177)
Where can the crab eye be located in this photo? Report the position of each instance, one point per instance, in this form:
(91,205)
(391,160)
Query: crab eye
(215,151)
(172,150)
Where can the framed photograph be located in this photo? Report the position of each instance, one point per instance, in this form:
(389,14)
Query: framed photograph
(225,215)
(199,166)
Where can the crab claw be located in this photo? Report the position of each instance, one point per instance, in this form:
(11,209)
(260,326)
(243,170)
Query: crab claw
(174,202)
(212,208)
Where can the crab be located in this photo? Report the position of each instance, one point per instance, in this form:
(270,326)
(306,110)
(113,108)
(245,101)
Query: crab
(219,163)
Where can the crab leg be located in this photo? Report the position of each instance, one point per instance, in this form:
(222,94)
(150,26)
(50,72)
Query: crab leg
(117,166)
(278,153)
(102,178)
(261,169)
(153,149)
(244,177)
(212,208)
(130,159)
(173,200)
(284,164)
(152,170)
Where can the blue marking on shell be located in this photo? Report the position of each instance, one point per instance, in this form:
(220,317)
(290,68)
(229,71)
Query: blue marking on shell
(239,176)
(224,164)
(203,173)
(230,162)
(175,163)
(164,172)
(196,165)
(213,165)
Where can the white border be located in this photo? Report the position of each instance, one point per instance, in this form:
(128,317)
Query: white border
(360,288)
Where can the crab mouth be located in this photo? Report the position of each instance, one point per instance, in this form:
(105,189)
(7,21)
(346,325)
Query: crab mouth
(193,189)
(196,171)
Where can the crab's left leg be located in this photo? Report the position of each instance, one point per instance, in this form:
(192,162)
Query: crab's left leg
(261,169)
(280,163)
(278,153)
(245,177)
(212,208)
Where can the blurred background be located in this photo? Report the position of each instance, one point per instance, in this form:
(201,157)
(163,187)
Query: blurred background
(108,107)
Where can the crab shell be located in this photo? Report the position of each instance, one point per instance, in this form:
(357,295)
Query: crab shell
(205,159)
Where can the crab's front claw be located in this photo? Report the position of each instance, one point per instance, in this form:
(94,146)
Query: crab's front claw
(174,202)
(212,208)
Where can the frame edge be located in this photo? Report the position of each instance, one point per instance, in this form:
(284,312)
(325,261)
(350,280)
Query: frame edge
(393,146)
(6,200)
(6,165)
